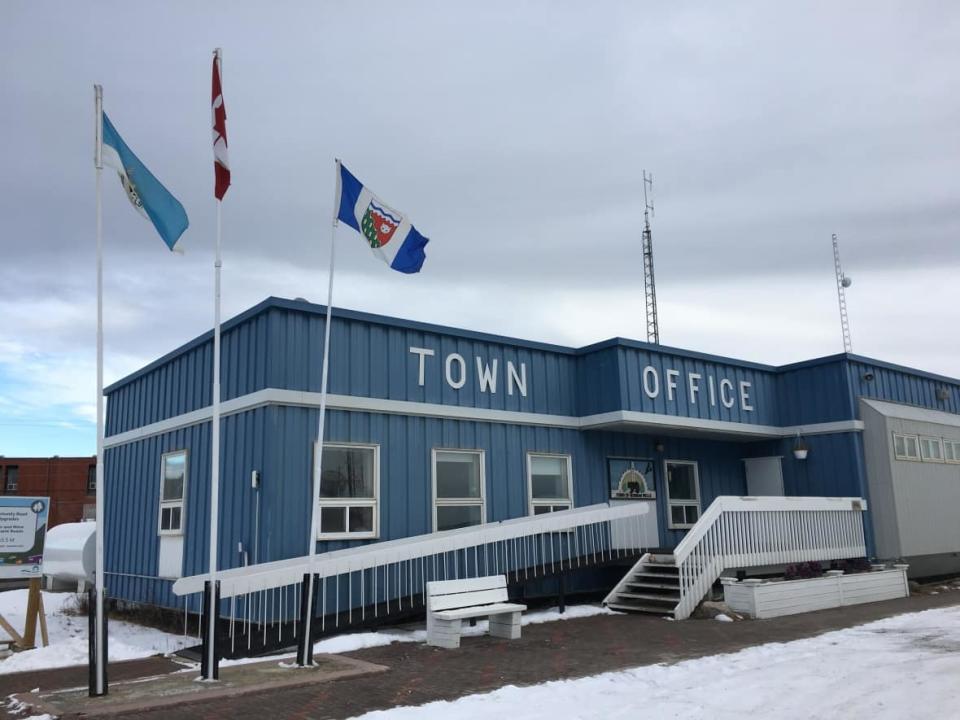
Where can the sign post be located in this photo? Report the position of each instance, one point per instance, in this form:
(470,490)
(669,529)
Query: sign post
(23,530)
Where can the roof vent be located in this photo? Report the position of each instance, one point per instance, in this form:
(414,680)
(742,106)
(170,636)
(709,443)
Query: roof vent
(301,299)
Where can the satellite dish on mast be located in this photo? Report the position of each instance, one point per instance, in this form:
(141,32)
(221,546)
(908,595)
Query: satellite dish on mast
(846,281)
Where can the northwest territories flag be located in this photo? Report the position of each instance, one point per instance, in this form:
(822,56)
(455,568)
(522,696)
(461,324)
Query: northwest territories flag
(388,232)
(146,194)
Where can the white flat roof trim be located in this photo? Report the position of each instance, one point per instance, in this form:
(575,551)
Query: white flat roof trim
(622,419)
(900,411)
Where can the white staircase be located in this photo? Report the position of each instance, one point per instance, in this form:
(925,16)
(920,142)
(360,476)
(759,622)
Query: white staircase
(651,586)
(741,532)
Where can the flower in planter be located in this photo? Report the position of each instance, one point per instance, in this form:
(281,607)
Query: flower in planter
(854,565)
(803,571)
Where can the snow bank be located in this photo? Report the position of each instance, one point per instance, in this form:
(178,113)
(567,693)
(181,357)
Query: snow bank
(68,635)
(878,670)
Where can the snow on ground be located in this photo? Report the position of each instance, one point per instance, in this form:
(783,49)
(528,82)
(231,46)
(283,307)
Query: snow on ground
(892,668)
(68,635)
(358,641)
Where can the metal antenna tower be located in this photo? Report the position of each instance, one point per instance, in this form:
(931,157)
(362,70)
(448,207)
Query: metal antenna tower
(649,283)
(843,282)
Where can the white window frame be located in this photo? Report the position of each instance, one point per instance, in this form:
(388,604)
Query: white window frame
(685,503)
(459,502)
(906,436)
(352,502)
(955,449)
(930,439)
(533,503)
(182,502)
(6,480)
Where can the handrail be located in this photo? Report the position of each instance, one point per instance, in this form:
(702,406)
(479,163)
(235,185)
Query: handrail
(759,503)
(757,531)
(266,576)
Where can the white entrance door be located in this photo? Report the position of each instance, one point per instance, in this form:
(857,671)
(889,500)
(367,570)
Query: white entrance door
(764,476)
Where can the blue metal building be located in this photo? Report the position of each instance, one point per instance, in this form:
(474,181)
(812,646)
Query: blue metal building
(432,427)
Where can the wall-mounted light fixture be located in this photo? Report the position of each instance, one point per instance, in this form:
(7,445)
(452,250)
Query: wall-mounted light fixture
(868,376)
(800,448)
(658,445)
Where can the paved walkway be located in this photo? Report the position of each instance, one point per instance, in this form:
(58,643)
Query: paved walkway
(77,675)
(548,651)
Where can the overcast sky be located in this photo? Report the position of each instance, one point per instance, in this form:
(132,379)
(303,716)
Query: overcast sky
(514,135)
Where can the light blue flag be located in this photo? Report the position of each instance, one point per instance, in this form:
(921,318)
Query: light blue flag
(150,198)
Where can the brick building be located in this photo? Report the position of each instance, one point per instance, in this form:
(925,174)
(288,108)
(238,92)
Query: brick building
(69,482)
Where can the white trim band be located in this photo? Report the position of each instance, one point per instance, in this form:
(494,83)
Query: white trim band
(618,419)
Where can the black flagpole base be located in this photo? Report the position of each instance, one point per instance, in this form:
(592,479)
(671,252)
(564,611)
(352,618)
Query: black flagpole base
(93,641)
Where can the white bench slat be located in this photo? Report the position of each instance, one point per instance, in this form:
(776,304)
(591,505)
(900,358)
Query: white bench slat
(445,587)
(481,611)
(467,599)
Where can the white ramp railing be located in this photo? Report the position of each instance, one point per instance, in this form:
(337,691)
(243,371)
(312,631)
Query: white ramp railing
(739,532)
(379,573)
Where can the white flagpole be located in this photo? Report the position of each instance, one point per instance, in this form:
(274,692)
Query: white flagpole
(318,452)
(215,440)
(100,658)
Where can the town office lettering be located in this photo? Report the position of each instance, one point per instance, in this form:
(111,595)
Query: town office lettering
(456,370)
(488,372)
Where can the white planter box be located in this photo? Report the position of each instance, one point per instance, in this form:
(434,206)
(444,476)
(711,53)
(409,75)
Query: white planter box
(773,598)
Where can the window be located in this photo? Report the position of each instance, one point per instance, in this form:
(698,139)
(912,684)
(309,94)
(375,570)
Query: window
(931,449)
(683,493)
(349,486)
(173,479)
(550,483)
(951,451)
(91,480)
(12,481)
(906,447)
(458,480)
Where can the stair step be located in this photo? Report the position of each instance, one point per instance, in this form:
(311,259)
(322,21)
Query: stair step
(664,578)
(667,612)
(660,569)
(653,586)
(661,559)
(650,597)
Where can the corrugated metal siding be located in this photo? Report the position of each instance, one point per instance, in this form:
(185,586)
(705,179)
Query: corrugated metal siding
(813,394)
(600,377)
(830,470)
(763,397)
(373,360)
(904,387)
(277,441)
(280,346)
(132,484)
(185,383)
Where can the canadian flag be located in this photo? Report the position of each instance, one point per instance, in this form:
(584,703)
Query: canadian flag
(221,162)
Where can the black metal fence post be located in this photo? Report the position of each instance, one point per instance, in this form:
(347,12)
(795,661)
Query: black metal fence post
(204,635)
(216,631)
(208,672)
(302,640)
(313,614)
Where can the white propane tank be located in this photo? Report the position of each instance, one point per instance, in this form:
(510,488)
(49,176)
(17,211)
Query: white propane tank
(70,552)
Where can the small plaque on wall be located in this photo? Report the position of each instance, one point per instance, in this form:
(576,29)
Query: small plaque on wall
(631,479)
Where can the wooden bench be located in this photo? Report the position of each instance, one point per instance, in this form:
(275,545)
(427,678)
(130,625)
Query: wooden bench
(449,602)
